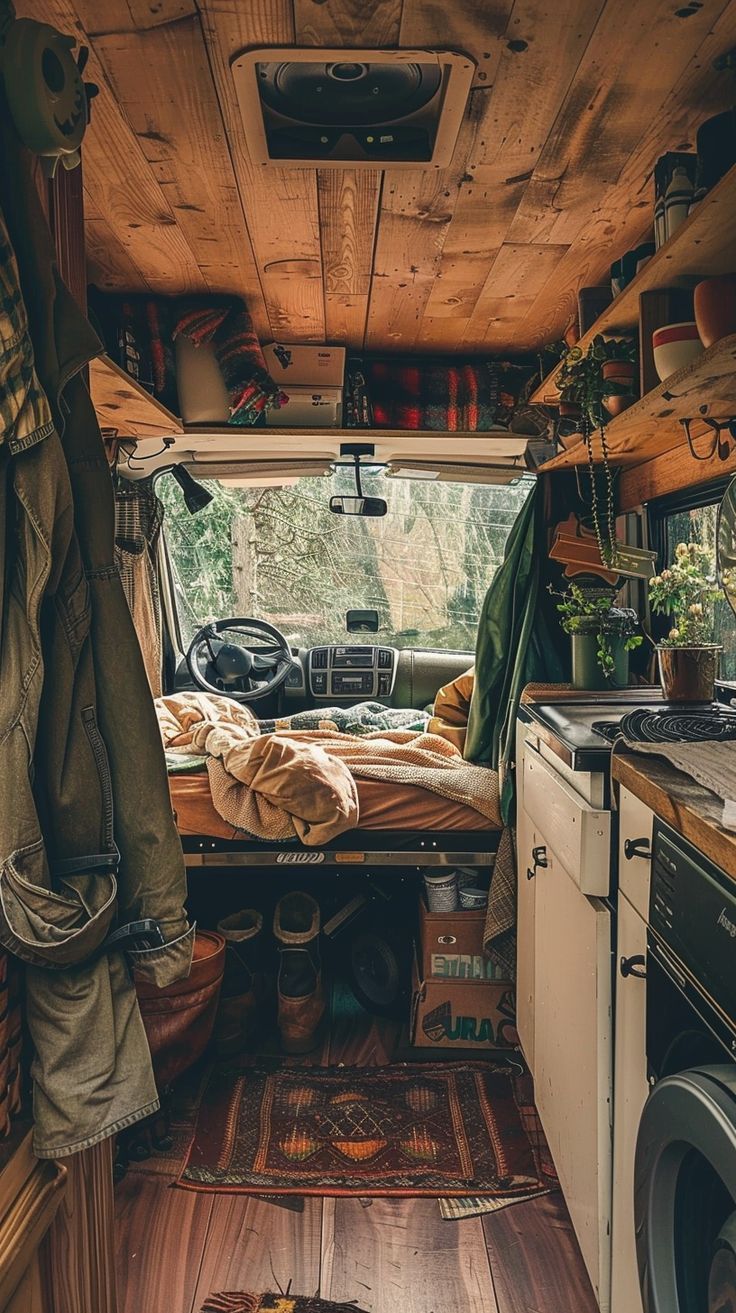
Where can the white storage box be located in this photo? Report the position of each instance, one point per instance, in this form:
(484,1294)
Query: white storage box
(313,378)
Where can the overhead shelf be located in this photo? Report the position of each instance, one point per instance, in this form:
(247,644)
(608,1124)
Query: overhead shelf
(123,405)
(702,247)
(706,387)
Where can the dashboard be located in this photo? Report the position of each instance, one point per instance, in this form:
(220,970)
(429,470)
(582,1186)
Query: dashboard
(338,671)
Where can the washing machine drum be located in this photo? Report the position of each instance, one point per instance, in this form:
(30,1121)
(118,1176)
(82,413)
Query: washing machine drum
(685,1193)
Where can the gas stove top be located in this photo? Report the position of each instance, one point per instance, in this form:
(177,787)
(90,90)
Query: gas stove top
(581,731)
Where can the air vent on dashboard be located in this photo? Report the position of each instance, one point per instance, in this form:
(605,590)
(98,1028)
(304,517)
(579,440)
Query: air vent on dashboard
(385,659)
(319,658)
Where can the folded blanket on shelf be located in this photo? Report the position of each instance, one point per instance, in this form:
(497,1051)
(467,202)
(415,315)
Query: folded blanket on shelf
(228,326)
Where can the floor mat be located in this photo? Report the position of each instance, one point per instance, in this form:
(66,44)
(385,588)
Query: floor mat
(242,1301)
(419,1130)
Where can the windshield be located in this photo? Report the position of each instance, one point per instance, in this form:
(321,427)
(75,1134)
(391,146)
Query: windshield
(280,555)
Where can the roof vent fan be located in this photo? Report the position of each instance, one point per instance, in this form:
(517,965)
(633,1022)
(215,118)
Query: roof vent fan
(363,108)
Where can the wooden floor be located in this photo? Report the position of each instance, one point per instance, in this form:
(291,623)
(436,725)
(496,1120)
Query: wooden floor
(388,1256)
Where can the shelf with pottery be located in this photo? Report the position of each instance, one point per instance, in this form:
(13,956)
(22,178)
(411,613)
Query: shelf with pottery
(705,387)
(123,405)
(702,247)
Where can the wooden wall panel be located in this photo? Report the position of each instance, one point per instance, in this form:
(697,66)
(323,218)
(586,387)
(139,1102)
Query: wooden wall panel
(622,216)
(620,87)
(348,23)
(280,205)
(180,128)
(541,50)
(143,241)
(571,105)
(348,209)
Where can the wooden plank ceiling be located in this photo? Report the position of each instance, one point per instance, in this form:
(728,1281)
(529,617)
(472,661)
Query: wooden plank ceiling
(572,103)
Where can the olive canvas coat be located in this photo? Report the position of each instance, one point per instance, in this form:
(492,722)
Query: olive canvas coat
(87,836)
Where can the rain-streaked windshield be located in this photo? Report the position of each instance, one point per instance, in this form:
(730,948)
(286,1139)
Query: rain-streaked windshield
(279,554)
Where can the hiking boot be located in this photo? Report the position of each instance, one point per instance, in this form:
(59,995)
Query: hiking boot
(301,1000)
(241,1009)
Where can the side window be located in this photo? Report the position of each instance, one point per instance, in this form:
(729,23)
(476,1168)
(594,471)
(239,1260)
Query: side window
(698,524)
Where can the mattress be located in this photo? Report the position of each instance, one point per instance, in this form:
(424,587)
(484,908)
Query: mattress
(383,806)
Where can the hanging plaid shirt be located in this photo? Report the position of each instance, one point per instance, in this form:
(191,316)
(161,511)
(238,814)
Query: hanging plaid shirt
(25,415)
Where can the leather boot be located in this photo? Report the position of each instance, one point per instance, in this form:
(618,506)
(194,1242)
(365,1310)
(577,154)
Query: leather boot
(301,1000)
(242,1008)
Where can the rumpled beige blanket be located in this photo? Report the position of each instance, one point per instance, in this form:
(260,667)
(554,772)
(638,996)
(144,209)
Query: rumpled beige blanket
(302,782)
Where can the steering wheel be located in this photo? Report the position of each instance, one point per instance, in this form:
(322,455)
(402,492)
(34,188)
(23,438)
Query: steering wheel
(220,667)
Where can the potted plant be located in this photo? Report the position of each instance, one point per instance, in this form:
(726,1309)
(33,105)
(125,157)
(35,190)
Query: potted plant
(599,382)
(616,360)
(602,635)
(688,657)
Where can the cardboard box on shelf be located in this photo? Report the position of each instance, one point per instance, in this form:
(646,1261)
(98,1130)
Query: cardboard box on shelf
(451,946)
(461,1014)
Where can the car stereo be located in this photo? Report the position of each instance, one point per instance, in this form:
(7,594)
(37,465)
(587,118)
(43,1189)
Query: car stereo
(352,672)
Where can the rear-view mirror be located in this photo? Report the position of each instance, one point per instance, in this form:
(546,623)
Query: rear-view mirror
(361,621)
(355,505)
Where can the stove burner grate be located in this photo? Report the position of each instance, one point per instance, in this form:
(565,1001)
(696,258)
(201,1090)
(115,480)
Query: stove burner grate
(682,726)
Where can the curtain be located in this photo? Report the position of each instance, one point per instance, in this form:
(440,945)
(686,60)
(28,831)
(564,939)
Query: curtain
(519,642)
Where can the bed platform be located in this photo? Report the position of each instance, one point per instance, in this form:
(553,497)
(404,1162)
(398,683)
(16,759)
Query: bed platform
(400,826)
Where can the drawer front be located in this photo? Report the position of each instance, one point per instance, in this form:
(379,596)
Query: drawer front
(579,835)
(636,823)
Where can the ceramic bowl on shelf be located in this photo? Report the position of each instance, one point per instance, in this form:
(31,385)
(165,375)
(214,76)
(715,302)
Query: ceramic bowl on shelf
(674,346)
(715,308)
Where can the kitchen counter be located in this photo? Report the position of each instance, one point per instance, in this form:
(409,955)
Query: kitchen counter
(677,799)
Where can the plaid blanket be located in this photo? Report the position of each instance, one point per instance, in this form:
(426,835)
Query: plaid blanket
(25,415)
(228,326)
(455,396)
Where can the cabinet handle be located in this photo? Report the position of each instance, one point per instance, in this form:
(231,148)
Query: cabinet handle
(634,966)
(637,848)
(539,858)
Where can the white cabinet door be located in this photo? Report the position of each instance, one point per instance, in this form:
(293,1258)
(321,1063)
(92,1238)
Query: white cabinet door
(524,914)
(636,824)
(572,1055)
(630,1095)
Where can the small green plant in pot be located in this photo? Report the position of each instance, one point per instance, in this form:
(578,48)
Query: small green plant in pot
(602,635)
(597,383)
(686,592)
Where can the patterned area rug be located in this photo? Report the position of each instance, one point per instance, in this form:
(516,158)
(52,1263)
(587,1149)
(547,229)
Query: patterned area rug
(432,1130)
(242,1301)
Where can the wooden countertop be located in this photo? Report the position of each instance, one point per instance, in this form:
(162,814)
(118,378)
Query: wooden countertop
(690,809)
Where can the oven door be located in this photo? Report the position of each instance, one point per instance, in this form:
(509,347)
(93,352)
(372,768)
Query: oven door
(685,1169)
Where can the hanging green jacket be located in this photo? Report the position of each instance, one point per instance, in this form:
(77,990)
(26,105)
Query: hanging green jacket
(516,645)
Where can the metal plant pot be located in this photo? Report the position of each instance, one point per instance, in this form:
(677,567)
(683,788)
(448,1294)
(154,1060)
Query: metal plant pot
(688,674)
(586,670)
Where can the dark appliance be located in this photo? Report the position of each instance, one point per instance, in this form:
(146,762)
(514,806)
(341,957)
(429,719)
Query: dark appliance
(685,1171)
